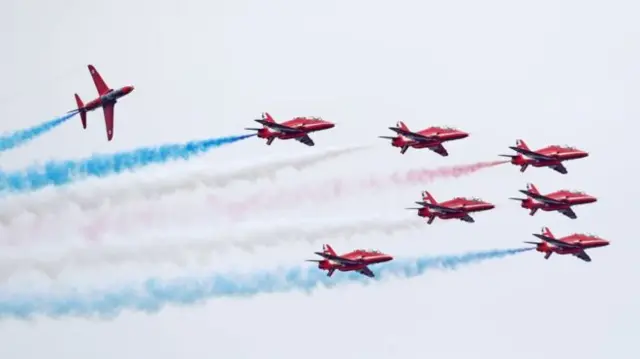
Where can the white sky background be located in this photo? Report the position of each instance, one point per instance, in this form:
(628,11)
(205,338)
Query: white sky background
(562,72)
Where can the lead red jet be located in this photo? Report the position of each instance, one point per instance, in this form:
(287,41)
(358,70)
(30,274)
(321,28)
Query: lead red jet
(457,208)
(107,99)
(431,138)
(298,128)
(550,156)
(358,260)
(560,201)
(574,244)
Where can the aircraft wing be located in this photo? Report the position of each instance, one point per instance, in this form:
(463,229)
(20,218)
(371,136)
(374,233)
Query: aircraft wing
(439,208)
(541,198)
(559,168)
(439,149)
(569,213)
(412,135)
(366,271)
(532,154)
(556,242)
(584,256)
(278,127)
(101,86)
(305,140)
(108,119)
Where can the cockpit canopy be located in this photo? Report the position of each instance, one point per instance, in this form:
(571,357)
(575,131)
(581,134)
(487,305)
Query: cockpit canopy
(573,191)
(470,199)
(313,118)
(372,251)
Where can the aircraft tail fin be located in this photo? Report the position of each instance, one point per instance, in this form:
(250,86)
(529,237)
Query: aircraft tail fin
(521,144)
(402,125)
(267,117)
(328,250)
(532,188)
(427,197)
(83,113)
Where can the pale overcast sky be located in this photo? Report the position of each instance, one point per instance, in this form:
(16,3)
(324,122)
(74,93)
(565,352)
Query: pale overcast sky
(549,72)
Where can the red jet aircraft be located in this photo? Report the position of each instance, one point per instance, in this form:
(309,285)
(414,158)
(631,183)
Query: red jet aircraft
(560,201)
(358,260)
(550,156)
(107,100)
(297,128)
(431,138)
(573,244)
(457,208)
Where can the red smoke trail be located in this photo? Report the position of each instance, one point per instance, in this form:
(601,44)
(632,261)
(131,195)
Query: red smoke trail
(338,187)
(150,216)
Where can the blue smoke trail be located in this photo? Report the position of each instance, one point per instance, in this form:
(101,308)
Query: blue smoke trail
(154,293)
(58,173)
(21,137)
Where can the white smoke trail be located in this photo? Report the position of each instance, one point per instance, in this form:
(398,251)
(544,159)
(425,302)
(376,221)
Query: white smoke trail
(183,250)
(96,193)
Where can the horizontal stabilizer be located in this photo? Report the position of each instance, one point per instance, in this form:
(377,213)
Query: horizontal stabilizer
(252,129)
(439,208)
(313,260)
(540,197)
(517,199)
(530,153)
(534,243)
(412,135)
(556,242)
(336,258)
(387,137)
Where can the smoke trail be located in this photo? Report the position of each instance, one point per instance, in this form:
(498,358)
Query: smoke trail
(94,193)
(161,214)
(152,295)
(339,187)
(179,249)
(60,173)
(21,137)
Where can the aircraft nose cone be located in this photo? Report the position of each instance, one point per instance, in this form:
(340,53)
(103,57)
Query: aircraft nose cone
(462,134)
(330,124)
